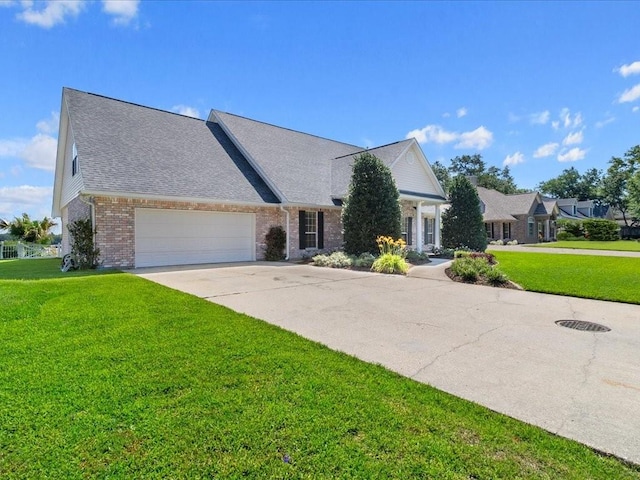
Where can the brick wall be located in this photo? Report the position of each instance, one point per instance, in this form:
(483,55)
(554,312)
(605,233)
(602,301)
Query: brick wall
(332,230)
(74,210)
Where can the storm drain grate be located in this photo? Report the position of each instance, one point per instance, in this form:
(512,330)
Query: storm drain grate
(583,325)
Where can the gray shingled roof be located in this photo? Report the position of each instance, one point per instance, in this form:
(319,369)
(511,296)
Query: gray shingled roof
(496,206)
(128,148)
(299,165)
(501,207)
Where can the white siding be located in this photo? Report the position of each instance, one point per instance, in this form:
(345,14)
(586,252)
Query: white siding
(71,185)
(411,173)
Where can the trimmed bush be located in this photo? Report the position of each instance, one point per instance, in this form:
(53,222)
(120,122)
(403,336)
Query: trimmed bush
(472,267)
(275,242)
(82,246)
(602,230)
(462,223)
(364,260)
(413,256)
(574,228)
(372,207)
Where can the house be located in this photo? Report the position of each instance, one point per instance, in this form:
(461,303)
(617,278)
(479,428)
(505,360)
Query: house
(525,217)
(167,189)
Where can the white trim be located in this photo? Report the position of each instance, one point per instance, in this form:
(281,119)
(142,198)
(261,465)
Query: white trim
(419,227)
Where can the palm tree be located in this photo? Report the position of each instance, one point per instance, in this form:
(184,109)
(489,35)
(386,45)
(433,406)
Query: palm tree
(33,231)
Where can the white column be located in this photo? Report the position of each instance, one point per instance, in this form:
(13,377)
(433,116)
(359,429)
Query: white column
(419,228)
(436,229)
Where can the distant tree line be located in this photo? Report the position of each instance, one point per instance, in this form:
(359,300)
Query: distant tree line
(618,186)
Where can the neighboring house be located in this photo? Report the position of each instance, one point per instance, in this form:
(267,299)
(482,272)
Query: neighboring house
(573,209)
(167,189)
(525,217)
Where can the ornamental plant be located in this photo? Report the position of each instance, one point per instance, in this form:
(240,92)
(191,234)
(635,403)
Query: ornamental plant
(392,256)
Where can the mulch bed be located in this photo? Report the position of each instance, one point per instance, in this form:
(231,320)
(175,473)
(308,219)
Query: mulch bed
(481,281)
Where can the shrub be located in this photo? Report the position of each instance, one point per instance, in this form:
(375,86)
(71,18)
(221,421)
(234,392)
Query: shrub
(82,246)
(390,263)
(443,252)
(275,242)
(462,223)
(372,206)
(496,242)
(600,229)
(413,256)
(364,260)
(572,227)
(489,257)
(513,242)
(495,277)
(335,260)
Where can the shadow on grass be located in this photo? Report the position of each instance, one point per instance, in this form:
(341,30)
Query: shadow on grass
(41,269)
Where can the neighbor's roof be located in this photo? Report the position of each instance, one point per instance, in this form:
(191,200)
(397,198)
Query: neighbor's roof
(501,207)
(128,148)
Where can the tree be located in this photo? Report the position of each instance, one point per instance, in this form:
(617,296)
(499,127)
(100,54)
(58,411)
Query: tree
(619,184)
(570,184)
(442,174)
(372,207)
(32,231)
(462,224)
(492,177)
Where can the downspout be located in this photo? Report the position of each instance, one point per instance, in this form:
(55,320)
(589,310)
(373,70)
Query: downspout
(286,212)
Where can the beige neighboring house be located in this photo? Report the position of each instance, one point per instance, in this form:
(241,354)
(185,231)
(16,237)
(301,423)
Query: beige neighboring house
(167,189)
(525,217)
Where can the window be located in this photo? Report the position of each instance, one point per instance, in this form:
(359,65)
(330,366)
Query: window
(506,230)
(429,229)
(311,228)
(407,230)
(531,224)
(74,160)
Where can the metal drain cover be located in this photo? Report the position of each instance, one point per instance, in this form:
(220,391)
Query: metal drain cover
(583,325)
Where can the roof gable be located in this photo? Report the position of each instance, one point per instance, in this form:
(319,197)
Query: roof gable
(130,149)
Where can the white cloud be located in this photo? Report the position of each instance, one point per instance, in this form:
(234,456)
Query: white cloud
(629,69)
(186,110)
(568,121)
(540,118)
(635,109)
(572,155)
(514,159)
(26,198)
(480,138)
(50,125)
(446,115)
(630,95)
(53,13)
(123,11)
(461,112)
(555,124)
(6,3)
(433,134)
(574,138)
(546,150)
(606,121)
(40,150)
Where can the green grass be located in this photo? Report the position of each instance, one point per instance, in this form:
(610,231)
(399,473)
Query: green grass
(620,245)
(589,276)
(112,376)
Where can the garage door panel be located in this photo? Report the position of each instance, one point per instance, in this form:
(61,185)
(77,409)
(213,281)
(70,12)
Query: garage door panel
(176,237)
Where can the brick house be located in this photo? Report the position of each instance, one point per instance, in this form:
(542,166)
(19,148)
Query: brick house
(525,217)
(167,189)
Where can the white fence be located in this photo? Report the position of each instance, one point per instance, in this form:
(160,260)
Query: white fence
(29,250)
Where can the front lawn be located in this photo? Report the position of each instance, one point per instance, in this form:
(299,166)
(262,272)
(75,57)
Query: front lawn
(620,245)
(112,376)
(589,276)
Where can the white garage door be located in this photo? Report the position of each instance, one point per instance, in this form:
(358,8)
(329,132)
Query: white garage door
(181,237)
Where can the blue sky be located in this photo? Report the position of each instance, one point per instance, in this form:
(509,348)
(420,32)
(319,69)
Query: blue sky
(538,86)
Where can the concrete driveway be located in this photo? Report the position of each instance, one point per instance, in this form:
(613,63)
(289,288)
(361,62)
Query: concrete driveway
(497,347)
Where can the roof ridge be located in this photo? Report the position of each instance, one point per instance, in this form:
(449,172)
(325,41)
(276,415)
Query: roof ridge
(286,128)
(132,103)
(373,148)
